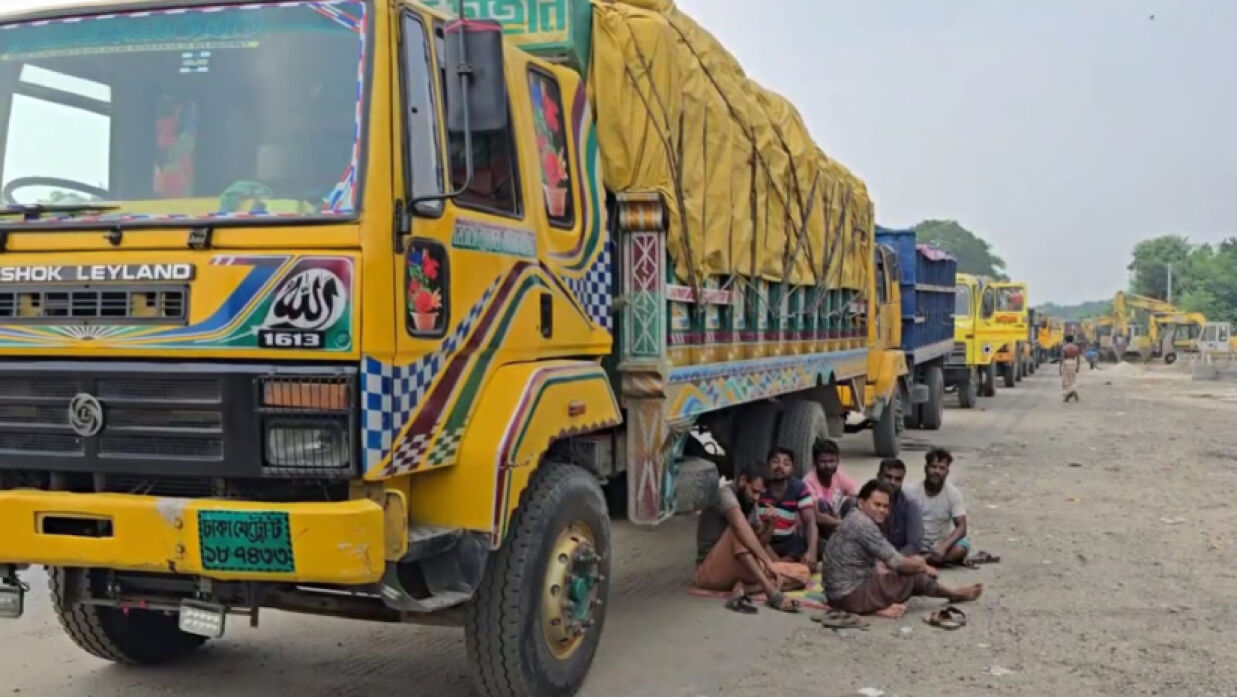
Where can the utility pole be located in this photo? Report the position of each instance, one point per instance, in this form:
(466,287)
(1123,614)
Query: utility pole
(1169,300)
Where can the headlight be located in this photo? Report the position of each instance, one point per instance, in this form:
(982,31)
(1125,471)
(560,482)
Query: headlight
(308,424)
(307,447)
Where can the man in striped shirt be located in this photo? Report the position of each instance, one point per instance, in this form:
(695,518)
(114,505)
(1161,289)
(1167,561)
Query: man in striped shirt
(787,511)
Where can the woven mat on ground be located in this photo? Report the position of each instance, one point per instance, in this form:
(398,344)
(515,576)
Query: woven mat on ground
(812,597)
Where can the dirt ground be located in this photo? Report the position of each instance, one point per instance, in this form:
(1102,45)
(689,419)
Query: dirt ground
(1111,515)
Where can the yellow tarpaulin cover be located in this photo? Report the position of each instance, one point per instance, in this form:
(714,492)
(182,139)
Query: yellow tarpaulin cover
(750,192)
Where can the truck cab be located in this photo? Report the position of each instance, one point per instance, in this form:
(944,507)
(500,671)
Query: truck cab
(1003,319)
(969,366)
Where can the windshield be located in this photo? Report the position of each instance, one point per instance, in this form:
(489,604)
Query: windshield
(1009,299)
(205,112)
(962,301)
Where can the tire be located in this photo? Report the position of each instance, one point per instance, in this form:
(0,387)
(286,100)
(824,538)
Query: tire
(932,412)
(505,638)
(988,380)
(1170,358)
(754,431)
(887,433)
(140,637)
(1007,373)
(802,423)
(968,390)
(695,485)
(1020,368)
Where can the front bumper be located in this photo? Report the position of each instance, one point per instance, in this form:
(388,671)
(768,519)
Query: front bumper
(336,542)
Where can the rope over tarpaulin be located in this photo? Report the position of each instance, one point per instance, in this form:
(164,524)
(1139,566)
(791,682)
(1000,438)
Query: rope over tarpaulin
(750,192)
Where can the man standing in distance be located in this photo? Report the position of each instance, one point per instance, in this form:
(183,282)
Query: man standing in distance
(944,512)
(1071,363)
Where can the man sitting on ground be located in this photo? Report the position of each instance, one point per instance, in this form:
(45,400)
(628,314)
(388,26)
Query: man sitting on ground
(852,583)
(829,486)
(788,512)
(944,513)
(729,554)
(904,526)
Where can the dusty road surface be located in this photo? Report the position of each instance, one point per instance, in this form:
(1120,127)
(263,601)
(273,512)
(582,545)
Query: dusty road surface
(1114,518)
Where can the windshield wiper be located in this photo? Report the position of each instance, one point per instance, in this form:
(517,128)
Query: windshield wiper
(35,211)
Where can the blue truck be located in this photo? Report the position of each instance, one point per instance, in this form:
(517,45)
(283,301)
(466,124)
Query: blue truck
(927,283)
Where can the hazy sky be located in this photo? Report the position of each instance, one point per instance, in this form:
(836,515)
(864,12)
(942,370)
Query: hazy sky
(1060,130)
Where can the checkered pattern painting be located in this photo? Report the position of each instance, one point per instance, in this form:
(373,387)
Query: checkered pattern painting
(390,393)
(595,290)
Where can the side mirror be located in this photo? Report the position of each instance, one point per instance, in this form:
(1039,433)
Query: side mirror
(476,84)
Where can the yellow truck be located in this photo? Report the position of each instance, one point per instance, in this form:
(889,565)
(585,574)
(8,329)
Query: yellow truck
(1003,322)
(352,308)
(969,369)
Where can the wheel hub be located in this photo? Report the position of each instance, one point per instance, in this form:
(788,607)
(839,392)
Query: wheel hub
(569,597)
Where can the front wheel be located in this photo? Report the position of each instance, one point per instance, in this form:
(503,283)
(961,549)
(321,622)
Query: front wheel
(887,433)
(932,413)
(1170,358)
(533,628)
(968,390)
(1007,372)
(136,637)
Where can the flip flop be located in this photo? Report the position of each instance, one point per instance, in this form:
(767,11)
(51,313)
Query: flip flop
(948,617)
(775,602)
(837,619)
(741,604)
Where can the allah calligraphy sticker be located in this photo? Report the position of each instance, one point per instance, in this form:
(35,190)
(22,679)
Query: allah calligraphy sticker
(311,308)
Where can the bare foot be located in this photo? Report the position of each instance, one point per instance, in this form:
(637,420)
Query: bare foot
(893,612)
(971,592)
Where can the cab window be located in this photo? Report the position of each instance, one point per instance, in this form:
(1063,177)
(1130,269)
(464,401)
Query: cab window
(495,184)
(1009,300)
(423,160)
(988,302)
(962,301)
(553,158)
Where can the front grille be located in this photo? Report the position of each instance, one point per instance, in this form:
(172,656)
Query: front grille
(98,305)
(158,421)
(958,355)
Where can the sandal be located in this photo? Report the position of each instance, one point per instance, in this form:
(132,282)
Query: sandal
(948,617)
(837,619)
(776,601)
(981,558)
(741,604)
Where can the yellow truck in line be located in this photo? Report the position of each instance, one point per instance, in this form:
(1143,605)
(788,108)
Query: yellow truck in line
(969,369)
(351,308)
(1004,313)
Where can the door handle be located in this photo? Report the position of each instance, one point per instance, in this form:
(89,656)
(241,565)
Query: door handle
(547,315)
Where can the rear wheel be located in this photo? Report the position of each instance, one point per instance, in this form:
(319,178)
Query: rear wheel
(887,433)
(932,412)
(136,637)
(534,625)
(754,430)
(802,423)
(1007,373)
(968,390)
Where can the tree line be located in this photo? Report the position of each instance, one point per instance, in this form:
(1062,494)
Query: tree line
(1204,276)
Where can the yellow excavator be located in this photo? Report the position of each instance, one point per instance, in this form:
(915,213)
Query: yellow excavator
(1173,333)
(1151,327)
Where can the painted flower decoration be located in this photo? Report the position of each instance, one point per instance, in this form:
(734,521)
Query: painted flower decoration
(552,167)
(424,295)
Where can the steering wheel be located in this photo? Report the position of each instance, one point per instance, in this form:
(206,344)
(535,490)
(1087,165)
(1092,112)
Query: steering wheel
(23,182)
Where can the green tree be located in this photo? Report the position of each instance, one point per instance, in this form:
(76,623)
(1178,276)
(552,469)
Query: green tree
(1149,269)
(974,255)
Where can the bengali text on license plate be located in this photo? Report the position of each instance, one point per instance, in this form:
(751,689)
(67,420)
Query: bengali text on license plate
(255,541)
